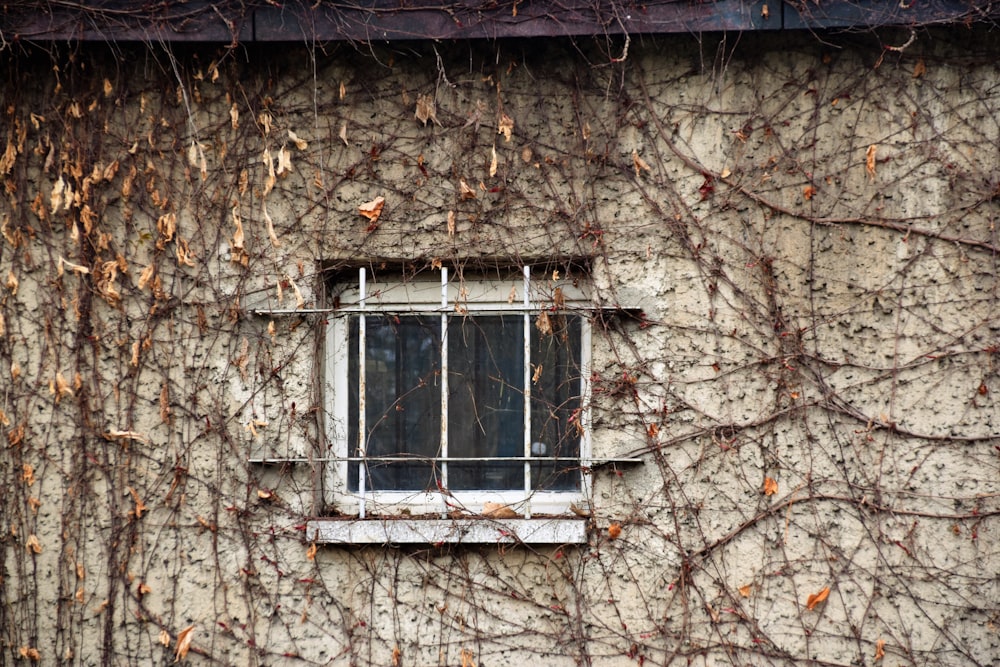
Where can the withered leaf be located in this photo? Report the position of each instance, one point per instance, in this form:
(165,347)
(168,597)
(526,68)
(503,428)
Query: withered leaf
(311,552)
(745,590)
(465,191)
(426,109)
(638,163)
(372,209)
(343,133)
(270,226)
(880,643)
(770,486)
(919,69)
(543,324)
(615,531)
(493,162)
(492,510)
(451,223)
(816,598)
(505,126)
(33,545)
(870,162)
(301,144)
(184,638)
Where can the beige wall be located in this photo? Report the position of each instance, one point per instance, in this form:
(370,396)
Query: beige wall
(810,321)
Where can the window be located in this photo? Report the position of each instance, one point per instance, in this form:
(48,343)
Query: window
(454,394)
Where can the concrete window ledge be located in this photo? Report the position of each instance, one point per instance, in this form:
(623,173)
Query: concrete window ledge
(447,531)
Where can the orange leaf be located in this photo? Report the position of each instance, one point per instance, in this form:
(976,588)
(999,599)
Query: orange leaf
(919,69)
(372,209)
(745,590)
(184,638)
(880,644)
(615,531)
(870,162)
(33,545)
(808,192)
(311,552)
(816,598)
(770,486)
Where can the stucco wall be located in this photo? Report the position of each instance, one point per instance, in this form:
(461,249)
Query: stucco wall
(806,222)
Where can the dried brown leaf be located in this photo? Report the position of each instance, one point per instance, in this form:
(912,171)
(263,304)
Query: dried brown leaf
(746,590)
(880,643)
(870,161)
(184,638)
(372,209)
(426,109)
(33,545)
(301,144)
(615,531)
(919,69)
(492,510)
(311,552)
(505,126)
(638,163)
(816,598)
(770,486)
(465,191)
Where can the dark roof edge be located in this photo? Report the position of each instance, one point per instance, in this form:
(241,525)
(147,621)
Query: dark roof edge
(236,21)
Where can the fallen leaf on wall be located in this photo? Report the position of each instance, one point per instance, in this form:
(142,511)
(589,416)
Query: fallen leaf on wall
(816,598)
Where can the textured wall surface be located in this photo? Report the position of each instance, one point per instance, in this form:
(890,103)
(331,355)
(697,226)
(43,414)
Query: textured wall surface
(807,223)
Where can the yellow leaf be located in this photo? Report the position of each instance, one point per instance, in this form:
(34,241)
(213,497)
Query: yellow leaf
(770,486)
(880,644)
(870,162)
(33,545)
(816,598)
(184,638)
(372,209)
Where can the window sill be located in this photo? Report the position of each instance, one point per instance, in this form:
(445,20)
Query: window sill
(447,531)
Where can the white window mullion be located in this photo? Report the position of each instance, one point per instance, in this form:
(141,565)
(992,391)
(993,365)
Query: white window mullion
(362,439)
(444,390)
(527,391)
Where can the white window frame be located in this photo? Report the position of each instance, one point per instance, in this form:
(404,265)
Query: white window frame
(528,295)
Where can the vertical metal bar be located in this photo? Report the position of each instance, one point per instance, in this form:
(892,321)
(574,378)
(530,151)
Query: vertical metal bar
(527,392)
(362,381)
(585,395)
(444,389)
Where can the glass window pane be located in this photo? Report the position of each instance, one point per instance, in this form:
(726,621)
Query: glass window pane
(403,399)
(555,404)
(486,400)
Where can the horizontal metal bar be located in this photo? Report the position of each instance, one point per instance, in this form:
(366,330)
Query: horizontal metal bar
(291,311)
(443,459)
